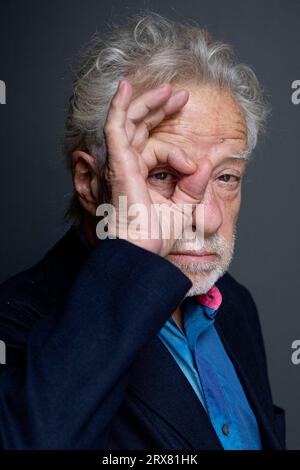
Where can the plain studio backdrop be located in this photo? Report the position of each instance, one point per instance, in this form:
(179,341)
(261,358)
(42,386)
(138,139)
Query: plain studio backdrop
(38,40)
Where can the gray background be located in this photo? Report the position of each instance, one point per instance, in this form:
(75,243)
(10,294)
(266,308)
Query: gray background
(37,42)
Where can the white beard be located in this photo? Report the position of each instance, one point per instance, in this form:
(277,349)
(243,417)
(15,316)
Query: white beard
(205,275)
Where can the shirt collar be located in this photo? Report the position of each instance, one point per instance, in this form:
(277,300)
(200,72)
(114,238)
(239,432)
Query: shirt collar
(199,313)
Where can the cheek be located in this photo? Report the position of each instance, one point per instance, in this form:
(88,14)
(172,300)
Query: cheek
(230,210)
(228,194)
(164,188)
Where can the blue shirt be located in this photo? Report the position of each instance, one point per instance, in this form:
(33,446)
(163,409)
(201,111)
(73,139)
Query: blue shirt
(200,354)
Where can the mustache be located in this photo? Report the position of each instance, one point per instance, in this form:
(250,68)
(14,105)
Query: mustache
(214,244)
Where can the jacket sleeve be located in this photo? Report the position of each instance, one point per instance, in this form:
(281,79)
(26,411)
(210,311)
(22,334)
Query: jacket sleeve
(78,357)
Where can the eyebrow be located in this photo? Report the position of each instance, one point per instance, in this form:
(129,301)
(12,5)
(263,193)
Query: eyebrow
(242,154)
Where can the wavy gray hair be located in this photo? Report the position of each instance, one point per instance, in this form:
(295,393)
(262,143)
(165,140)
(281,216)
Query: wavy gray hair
(151,50)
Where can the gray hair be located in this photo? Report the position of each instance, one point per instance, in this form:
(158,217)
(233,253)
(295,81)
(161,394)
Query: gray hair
(151,50)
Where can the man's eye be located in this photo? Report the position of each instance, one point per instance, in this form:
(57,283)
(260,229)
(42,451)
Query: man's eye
(163,176)
(163,181)
(227,178)
(160,176)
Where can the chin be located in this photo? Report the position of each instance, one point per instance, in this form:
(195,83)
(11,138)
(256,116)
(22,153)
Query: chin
(203,276)
(202,282)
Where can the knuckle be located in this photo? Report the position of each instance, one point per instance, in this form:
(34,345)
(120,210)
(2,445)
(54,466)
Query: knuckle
(142,134)
(109,129)
(176,152)
(108,174)
(114,173)
(114,103)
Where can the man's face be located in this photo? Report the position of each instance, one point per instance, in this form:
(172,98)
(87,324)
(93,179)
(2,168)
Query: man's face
(210,126)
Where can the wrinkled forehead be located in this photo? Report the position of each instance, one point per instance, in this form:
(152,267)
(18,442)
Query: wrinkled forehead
(211,123)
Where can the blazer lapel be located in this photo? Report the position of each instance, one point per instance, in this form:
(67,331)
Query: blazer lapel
(159,382)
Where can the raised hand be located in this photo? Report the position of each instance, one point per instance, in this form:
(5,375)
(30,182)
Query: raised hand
(133,153)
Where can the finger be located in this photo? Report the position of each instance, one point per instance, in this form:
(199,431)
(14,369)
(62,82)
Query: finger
(162,105)
(159,152)
(148,101)
(191,189)
(174,104)
(114,127)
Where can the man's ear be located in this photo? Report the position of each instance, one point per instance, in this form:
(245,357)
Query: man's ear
(85,180)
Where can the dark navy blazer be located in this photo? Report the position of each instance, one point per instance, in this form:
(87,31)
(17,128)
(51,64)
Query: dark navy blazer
(85,368)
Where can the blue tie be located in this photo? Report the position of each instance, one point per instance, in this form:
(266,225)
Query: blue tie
(225,400)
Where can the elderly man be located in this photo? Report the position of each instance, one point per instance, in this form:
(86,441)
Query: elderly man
(119,339)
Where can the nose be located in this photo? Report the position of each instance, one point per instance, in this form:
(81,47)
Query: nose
(212,213)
